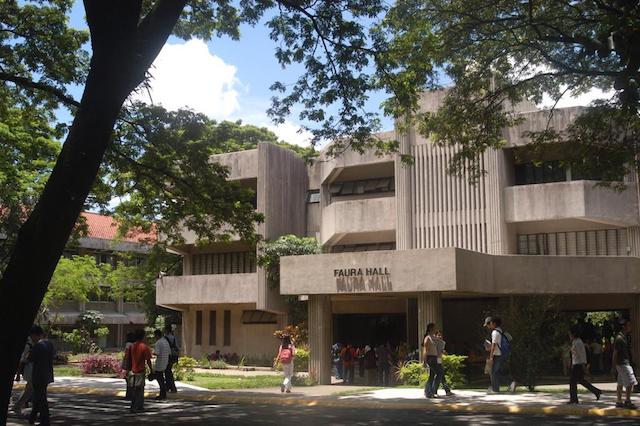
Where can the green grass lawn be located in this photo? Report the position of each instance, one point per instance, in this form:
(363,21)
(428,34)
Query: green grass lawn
(221,381)
(66,370)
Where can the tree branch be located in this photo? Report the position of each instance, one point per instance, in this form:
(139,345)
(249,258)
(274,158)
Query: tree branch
(43,87)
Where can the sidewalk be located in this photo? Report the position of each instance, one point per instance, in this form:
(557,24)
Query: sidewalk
(552,403)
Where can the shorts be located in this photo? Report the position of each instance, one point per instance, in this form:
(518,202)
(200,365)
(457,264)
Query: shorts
(626,377)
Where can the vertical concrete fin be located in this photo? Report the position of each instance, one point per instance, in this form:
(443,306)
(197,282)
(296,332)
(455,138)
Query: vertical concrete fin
(320,335)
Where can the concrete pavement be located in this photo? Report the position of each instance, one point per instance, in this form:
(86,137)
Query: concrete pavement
(533,403)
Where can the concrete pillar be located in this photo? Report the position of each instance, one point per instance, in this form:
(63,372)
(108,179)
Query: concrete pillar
(404,228)
(495,181)
(320,335)
(429,310)
(635,328)
(188,330)
(412,324)
(120,335)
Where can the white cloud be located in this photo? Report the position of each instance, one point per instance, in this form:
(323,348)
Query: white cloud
(291,133)
(188,75)
(569,99)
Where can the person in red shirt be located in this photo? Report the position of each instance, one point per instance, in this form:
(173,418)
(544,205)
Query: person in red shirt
(138,357)
(349,357)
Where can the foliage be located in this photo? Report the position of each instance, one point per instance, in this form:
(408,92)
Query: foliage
(83,338)
(75,278)
(60,359)
(204,362)
(534,322)
(301,360)
(102,332)
(219,365)
(90,321)
(224,381)
(299,334)
(269,258)
(100,364)
(499,54)
(184,369)
(414,373)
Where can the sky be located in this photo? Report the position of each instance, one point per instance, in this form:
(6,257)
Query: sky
(229,80)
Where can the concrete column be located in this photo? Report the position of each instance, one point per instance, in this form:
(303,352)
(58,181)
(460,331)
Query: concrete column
(188,330)
(412,324)
(495,181)
(635,328)
(120,335)
(320,335)
(429,310)
(403,195)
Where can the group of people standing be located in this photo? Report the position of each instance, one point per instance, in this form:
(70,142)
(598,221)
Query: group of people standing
(137,357)
(374,362)
(433,346)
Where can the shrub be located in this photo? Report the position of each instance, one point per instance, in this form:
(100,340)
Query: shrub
(413,373)
(60,359)
(301,360)
(204,362)
(100,364)
(219,365)
(184,369)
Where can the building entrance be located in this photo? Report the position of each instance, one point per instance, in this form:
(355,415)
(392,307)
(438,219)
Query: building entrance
(370,329)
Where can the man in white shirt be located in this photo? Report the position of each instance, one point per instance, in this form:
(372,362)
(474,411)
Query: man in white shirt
(496,357)
(162,351)
(578,362)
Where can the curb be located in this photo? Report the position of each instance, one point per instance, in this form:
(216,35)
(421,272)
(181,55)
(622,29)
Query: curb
(329,402)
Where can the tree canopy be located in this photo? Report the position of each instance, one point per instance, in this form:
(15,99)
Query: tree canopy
(499,53)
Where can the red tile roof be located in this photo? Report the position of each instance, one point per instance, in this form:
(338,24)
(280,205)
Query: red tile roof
(106,227)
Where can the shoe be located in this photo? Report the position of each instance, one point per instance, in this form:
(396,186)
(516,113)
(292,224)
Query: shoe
(619,404)
(450,394)
(491,391)
(288,390)
(571,402)
(173,391)
(281,388)
(160,398)
(598,394)
(630,406)
(512,387)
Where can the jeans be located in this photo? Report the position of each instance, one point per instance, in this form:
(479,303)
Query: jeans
(40,404)
(168,377)
(163,387)
(443,379)
(383,375)
(287,370)
(431,387)
(24,397)
(496,372)
(577,376)
(339,370)
(349,371)
(137,391)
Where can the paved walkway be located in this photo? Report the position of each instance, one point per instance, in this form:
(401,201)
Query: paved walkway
(358,397)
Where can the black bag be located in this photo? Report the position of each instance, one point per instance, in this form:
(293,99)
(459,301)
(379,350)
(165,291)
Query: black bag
(175,353)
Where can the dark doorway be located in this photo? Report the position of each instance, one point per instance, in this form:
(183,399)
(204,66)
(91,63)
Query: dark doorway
(367,329)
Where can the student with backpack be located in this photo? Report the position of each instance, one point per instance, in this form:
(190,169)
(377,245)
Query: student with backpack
(286,354)
(499,351)
(173,358)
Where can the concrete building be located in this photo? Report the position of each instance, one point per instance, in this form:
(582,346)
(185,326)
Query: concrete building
(405,245)
(101,241)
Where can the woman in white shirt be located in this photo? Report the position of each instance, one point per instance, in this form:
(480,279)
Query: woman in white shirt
(578,363)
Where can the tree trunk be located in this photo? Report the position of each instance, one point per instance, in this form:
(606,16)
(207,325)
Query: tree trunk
(123,49)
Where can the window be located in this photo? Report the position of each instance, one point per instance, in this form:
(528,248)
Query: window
(198,327)
(313,196)
(224,263)
(259,317)
(548,171)
(212,327)
(605,242)
(363,247)
(359,187)
(227,328)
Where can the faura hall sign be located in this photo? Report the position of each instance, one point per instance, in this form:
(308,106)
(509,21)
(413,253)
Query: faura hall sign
(363,280)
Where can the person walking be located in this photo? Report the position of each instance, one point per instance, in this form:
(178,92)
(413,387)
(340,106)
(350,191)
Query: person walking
(126,364)
(430,356)
(286,354)
(348,355)
(26,369)
(578,362)
(499,349)
(622,364)
(139,354)
(162,351)
(42,355)
(173,358)
(385,361)
(370,365)
(336,350)
(440,345)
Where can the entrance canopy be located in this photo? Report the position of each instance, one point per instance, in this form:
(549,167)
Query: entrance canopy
(456,270)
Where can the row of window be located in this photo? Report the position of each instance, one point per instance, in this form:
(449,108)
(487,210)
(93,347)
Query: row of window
(363,247)
(358,187)
(248,317)
(548,171)
(605,242)
(223,263)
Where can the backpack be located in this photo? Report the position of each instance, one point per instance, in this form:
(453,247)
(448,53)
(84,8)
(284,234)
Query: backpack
(286,355)
(505,343)
(175,353)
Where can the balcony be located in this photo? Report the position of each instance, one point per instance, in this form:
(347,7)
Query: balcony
(581,200)
(373,219)
(199,289)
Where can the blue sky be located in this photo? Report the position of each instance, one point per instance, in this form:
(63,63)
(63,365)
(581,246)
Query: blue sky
(222,78)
